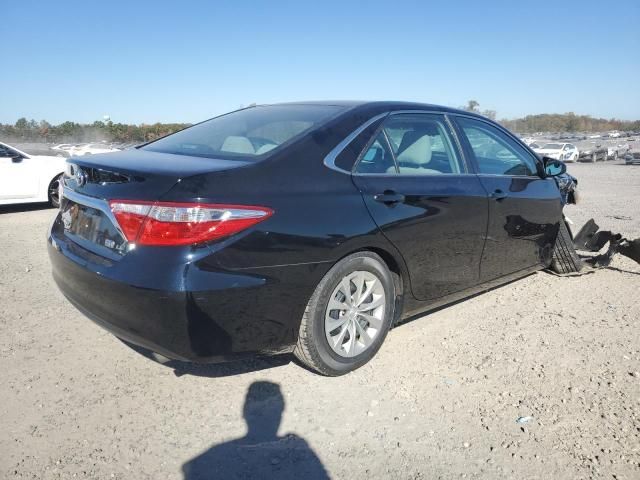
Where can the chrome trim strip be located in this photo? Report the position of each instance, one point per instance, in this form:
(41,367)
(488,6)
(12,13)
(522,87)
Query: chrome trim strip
(330,159)
(502,175)
(92,202)
(424,175)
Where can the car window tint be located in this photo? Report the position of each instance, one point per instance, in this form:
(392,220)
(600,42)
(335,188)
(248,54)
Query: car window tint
(246,133)
(377,158)
(4,152)
(421,145)
(495,152)
(348,157)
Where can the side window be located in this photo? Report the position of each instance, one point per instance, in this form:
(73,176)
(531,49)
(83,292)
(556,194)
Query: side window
(348,157)
(6,152)
(421,145)
(377,157)
(495,152)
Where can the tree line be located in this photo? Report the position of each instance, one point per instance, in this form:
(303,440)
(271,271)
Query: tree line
(24,131)
(71,132)
(557,122)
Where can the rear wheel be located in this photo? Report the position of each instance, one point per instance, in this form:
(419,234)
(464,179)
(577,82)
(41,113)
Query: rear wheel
(53,192)
(565,259)
(348,315)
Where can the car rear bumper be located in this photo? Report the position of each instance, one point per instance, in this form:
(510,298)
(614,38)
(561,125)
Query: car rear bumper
(248,312)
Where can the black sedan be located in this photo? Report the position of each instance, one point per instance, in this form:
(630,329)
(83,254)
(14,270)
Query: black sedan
(310,228)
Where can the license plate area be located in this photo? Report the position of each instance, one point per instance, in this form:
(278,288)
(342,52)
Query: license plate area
(91,228)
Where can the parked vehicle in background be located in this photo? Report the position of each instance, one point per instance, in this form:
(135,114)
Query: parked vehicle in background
(63,146)
(593,153)
(28,178)
(567,152)
(91,149)
(632,156)
(309,227)
(616,150)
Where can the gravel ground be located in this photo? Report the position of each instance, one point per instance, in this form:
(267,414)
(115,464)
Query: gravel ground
(440,400)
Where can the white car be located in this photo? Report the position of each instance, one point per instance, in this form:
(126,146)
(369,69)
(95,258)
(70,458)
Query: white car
(91,148)
(63,147)
(566,152)
(28,178)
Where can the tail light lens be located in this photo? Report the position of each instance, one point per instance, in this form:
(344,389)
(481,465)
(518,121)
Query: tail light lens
(168,223)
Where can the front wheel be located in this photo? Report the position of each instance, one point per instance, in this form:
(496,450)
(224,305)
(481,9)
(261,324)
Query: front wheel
(565,258)
(348,315)
(53,193)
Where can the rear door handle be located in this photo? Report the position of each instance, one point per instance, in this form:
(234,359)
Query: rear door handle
(389,197)
(499,195)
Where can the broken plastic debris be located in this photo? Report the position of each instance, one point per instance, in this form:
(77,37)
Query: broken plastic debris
(524,419)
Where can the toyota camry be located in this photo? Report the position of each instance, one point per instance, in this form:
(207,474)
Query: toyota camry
(310,228)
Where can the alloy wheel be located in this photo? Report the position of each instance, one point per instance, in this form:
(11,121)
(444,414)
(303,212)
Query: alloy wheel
(355,313)
(54,192)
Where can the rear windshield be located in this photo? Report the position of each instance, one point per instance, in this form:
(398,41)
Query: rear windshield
(251,132)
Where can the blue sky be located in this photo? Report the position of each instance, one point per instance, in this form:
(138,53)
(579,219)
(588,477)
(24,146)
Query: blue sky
(148,61)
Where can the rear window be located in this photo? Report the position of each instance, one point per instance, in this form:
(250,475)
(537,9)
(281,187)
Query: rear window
(251,132)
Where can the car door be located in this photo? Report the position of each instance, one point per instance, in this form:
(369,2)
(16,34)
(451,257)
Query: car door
(17,176)
(524,209)
(420,193)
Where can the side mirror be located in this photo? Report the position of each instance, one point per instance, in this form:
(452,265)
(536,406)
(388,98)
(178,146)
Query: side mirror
(553,167)
(16,157)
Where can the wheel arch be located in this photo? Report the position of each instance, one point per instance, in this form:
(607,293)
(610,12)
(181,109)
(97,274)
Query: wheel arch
(399,273)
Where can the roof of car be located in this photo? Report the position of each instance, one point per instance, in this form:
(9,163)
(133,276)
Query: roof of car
(381,105)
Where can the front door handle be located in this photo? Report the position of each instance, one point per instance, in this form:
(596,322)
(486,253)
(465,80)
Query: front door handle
(389,197)
(499,195)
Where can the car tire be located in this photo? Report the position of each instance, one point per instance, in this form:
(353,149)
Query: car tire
(313,348)
(565,258)
(53,194)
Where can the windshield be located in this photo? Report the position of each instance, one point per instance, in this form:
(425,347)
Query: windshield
(245,133)
(553,146)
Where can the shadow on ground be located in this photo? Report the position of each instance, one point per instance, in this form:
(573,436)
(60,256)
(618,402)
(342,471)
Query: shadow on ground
(24,207)
(213,370)
(261,453)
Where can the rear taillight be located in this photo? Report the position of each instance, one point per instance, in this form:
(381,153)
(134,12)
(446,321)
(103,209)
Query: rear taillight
(168,223)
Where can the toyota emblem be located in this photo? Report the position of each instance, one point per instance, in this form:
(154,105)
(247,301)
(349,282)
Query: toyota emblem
(81,177)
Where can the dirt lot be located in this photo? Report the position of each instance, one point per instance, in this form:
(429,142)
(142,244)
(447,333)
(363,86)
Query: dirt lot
(440,400)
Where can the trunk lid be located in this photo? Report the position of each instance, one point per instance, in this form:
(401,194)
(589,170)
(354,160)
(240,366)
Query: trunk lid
(138,174)
(91,181)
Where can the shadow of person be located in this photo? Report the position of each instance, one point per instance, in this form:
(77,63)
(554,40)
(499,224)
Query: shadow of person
(261,453)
